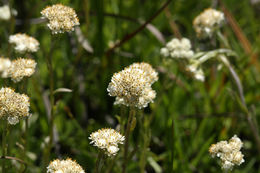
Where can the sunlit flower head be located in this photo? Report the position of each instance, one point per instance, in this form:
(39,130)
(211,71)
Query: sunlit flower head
(64,166)
(196,70)
(177,49)
(61,18)
(5,64)
(21,68)
(107,139)
(24,43)
(228,152)
(13,106)
(132,86)
(206,23)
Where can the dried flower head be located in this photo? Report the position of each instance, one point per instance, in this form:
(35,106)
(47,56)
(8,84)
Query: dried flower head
(24,43)
(177,48)
(13,106)
(61,18)
(228,152)
(20,68)
(5,64)
(107,139)
(208,22)
(64,166)
(132,86)
(5,12)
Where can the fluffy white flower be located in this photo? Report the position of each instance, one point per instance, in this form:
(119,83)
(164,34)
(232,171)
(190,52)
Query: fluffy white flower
(107,139)
(177,49)
(207,22)
(5,12)
(5,64)
(24,43)
(228,152)
(64,166)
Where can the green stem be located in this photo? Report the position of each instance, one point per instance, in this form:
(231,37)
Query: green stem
(127,134)
(99,162)
(4,149)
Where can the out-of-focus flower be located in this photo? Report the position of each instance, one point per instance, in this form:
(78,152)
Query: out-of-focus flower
(61,18)
(177,49)
(206,23)
(5,64)
(132,86)
(13,106)
(107,139)
(64,166)
(24,43)
(21,68)
(228,152)
(5,12)
(194,67)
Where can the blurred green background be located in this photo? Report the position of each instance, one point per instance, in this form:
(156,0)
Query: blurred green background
(186,117)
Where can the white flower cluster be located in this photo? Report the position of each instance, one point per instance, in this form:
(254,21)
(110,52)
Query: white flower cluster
(177,48)
(61,18)
(228,152)
(208,22)
(194,67)
(24,43)
(132,86)
(64,166)
(5,64)
(107,139)
(13,106)
(21,68)
(5,12)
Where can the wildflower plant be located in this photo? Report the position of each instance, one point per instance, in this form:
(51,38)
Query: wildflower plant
(24,43)
(64,166)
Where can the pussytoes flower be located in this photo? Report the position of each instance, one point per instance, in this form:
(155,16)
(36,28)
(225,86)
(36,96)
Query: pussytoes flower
(107,140)
(206,23)
(13,106)
(61,18)
(228,152)
(5,64)
(5,12)
(177,49)
(132,86)
(196,70)
(64,166)
(21,68)
(24,43)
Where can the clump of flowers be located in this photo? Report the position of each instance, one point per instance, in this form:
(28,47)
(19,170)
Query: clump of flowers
(13,106)
(5,12)
(21,68)
(61,18)
(228,152)
(107,139)
(5,64)
(24,43)
(178,48)
(64,166)
(132,86)
(206,23)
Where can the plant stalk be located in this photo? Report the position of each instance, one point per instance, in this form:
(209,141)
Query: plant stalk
(99,162)
(127,134)
(4,149)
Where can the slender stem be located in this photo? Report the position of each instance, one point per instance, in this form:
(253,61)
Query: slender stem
(4,149)
(252,125)
(99,162)
(127,133)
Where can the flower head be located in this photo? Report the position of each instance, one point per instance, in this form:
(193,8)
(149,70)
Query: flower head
(207,22)
(196,70)
(24,43)
(20,68)
(5,64)
(64,166)
(132,86)
(228,152)
(61,18)
(5,12)
(178,48)
(107,139)
(13,106)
